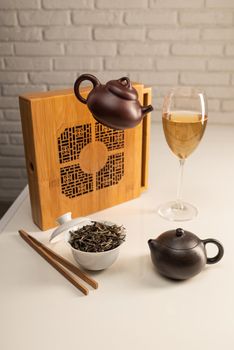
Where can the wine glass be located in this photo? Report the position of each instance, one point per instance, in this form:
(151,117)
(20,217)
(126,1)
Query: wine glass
(184,121)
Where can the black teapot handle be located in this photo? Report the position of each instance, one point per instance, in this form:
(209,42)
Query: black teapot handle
(79,80)
(220,253)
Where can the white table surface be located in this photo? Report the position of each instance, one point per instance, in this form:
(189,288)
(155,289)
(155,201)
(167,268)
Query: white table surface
(134,308)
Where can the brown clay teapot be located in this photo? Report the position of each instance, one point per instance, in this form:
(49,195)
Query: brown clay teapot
(114,104)
(180,254)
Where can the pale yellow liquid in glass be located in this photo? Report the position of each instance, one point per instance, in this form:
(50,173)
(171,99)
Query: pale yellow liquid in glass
(183,131)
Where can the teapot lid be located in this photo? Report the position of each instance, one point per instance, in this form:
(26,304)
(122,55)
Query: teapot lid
(66,222)
(122,88)
(178,239)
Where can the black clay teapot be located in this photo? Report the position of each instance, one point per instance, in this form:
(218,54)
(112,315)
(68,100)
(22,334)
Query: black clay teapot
(180,254)
(114,104)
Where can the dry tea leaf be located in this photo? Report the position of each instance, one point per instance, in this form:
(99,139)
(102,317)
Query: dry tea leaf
(97,237)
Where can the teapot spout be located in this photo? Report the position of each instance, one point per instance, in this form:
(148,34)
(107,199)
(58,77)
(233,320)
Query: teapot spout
(146,109)
(152,243)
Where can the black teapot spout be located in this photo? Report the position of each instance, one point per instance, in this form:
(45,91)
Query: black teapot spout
(152,244)
(146,109)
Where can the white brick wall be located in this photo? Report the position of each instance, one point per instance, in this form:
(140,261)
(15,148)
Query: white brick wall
(46,44)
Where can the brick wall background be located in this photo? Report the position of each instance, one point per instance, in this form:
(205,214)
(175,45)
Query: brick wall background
(45,44)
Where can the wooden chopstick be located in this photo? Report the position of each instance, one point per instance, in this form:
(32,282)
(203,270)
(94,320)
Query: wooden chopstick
(65,263)
(52,261)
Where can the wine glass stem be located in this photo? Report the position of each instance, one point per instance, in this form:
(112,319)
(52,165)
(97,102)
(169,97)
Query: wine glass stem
(179,186)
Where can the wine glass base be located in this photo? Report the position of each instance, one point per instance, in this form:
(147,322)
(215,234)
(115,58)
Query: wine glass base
(173,211)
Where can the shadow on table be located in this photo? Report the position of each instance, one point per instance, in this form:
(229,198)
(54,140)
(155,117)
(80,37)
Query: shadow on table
(135,271)
(139,272)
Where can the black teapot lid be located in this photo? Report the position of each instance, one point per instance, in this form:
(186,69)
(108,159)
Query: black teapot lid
(178,239)
(122,88)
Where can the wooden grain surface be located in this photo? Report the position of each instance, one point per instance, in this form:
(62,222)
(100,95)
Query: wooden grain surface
(46,117)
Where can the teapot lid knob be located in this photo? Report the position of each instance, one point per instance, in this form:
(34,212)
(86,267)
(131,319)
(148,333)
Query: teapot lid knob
(179,232)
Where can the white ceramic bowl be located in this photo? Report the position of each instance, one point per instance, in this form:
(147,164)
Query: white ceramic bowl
(88,260)
(95,261)
(91,260)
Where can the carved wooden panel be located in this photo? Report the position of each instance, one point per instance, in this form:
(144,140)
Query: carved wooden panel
(72,140)
(76,164)
(75,144)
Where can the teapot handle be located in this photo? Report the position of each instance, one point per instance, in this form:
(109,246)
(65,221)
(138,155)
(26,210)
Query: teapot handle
(220,253)
(79,80)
